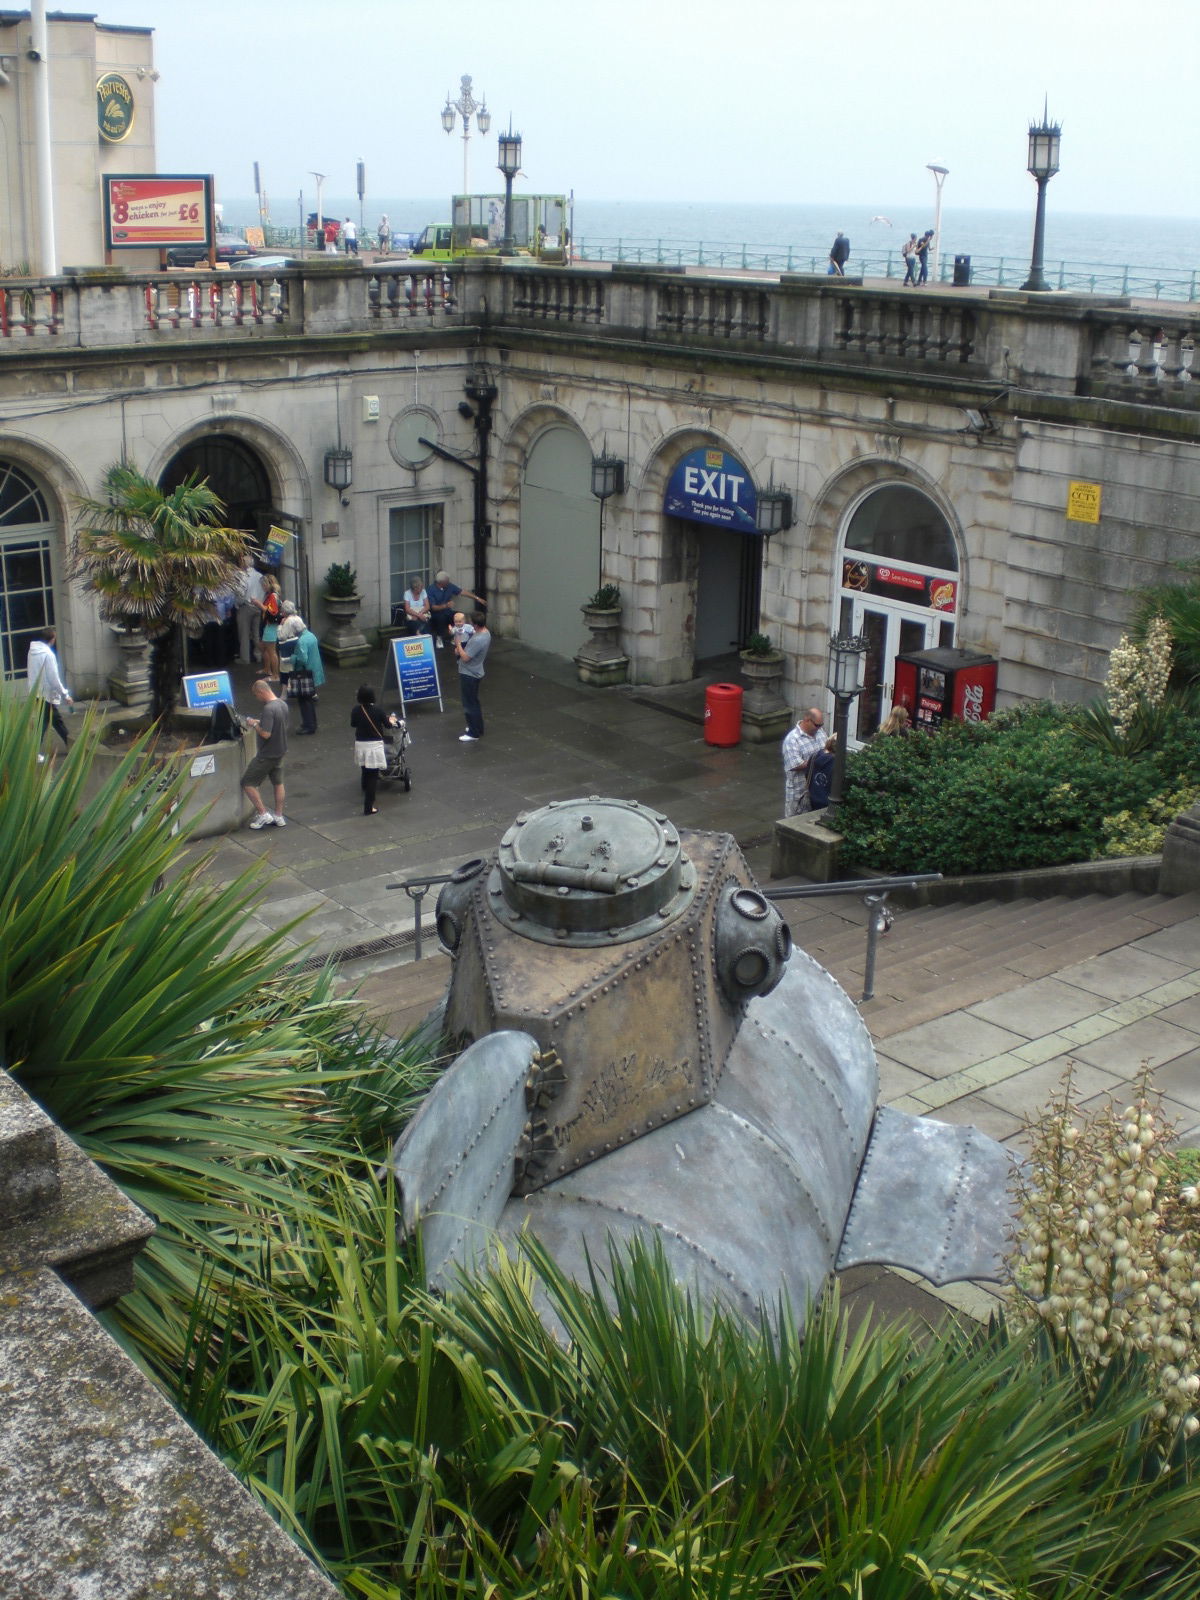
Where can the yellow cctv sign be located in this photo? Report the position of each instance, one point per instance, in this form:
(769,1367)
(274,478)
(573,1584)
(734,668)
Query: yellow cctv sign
(1083,502)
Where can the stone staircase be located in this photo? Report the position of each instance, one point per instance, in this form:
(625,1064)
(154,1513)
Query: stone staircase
(939,959)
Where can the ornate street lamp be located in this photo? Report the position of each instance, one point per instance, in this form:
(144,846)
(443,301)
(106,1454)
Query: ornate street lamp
(1044,137)
(464,106)
(608,476)
(844,679)
(509,161)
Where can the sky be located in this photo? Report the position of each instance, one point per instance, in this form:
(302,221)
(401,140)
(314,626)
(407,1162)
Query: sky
(799,101)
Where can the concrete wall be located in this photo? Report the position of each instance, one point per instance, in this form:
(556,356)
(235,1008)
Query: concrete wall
(80,51)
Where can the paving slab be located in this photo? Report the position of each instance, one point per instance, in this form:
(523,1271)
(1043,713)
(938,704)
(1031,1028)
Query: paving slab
(1150,1041)
(1120,974)
(1027,1094)
(1179,943)
(947,1044)
(1037,1008)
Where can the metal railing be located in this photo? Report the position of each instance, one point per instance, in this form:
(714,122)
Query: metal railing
(987,271)
(880,916)
(416,889)
(873,890)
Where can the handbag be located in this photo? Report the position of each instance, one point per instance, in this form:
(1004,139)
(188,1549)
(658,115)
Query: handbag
(301,685)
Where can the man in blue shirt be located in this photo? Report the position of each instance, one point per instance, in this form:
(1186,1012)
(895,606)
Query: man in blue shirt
(442,595)
(471,657)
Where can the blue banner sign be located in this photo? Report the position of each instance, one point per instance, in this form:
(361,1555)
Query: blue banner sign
(415,668)
(203,690)
(712,486)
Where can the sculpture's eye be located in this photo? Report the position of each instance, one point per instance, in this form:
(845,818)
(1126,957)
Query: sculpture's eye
(753,944)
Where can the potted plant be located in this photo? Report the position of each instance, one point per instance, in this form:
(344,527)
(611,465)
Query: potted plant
(765,713)
(344,645)
(601,660)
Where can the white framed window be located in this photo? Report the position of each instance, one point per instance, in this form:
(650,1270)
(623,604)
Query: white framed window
(26,577)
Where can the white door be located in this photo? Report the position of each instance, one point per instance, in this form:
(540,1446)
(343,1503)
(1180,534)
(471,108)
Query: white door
(560,541)
(890,631)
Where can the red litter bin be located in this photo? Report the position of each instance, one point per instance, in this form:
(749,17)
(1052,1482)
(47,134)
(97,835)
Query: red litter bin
(723,714)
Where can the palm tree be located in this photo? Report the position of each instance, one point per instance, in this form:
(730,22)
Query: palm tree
(157,559)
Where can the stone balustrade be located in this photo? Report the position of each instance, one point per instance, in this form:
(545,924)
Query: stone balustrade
(1002,339)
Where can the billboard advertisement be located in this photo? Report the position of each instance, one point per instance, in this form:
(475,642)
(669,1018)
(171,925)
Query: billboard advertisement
(152,212)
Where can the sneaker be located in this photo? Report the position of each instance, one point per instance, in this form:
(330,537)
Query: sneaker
(467,738)
(440,645)
(280,822)
(264,819)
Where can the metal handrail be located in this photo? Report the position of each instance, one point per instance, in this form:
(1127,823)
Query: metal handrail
(875,892)
(416,889)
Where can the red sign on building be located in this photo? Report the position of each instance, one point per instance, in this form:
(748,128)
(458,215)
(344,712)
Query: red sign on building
(155,212)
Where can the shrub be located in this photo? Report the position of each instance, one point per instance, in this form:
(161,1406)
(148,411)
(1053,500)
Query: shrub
(1025,789)
(341,581)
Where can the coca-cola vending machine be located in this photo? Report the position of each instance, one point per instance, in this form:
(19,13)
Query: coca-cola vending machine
(936,684)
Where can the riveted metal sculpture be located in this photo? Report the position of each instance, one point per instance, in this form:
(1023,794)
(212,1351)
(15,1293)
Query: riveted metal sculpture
(643,1054)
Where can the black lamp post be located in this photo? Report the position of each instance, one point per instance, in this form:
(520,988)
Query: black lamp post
(608,478)
(844,679)
(1044,137)
(509,163)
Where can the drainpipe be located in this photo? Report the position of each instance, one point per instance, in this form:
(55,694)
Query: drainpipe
(39,58)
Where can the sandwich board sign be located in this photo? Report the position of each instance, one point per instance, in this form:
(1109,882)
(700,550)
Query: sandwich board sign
(412,671)
(203,690)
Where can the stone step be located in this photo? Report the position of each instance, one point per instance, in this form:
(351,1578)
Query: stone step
(919,929)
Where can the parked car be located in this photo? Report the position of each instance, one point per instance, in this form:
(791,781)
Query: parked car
(230,247)
(267,262)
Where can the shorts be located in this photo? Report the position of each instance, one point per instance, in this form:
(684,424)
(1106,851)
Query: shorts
(263,767)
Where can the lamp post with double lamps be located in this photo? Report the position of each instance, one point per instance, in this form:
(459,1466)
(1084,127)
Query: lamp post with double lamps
(466,106)
(844,679)
(1044,138)
(508,149)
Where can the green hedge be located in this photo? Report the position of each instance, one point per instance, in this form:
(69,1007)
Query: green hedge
(1024,789)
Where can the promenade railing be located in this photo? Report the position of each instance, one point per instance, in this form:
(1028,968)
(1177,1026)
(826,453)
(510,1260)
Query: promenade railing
(994,272)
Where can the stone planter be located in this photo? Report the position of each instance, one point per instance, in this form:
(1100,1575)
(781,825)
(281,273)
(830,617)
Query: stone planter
(601,660)
(213,785)
(130,683)
(344,645)
(766,715)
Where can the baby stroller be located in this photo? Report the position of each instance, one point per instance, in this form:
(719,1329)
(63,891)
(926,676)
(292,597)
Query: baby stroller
(396,744)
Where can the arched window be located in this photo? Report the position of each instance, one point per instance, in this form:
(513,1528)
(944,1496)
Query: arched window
(900,589)
(26,582)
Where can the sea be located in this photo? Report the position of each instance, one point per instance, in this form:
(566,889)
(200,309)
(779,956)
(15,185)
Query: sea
(1104,254)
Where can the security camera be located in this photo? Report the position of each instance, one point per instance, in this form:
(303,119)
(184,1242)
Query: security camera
(464,410)
(34,55)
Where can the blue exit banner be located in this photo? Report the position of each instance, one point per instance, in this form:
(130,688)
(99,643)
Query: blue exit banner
(712,486)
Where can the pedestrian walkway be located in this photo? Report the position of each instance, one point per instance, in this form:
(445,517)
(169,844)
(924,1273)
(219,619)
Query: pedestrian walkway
(978,1008)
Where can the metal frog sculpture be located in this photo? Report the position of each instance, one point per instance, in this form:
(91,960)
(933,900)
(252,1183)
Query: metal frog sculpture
(644,1054)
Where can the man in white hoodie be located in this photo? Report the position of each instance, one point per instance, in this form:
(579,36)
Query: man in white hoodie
(45,681)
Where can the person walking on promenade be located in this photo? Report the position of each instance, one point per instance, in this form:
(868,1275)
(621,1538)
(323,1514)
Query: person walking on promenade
(308,674)
(45,681)
(923,244)
(908,251)
(839,255)
(471,656)
(270,609)
(370,743)
(799,747)
(271,726)
(441,595)
(350,235)
(385,235)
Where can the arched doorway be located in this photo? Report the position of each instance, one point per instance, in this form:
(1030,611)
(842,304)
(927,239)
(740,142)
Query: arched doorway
(26,577)
(900,588)
(237,473)
(560,540)
(709,508)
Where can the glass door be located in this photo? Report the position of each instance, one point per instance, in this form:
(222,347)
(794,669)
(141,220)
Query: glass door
(890,631)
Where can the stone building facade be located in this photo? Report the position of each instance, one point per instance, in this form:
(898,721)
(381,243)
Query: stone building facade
(942,455)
